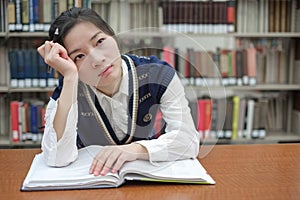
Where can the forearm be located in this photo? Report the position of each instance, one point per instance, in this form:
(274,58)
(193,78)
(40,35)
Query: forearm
(173,145)
(64,151)
(67,97)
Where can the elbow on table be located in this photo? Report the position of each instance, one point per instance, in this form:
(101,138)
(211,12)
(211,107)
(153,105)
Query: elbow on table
(53,159)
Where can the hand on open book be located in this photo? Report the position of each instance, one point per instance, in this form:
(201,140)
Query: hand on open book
(112,158)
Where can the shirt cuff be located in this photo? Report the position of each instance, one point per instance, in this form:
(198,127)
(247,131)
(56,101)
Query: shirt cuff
(157,150)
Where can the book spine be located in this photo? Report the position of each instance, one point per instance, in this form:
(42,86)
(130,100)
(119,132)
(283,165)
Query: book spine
(241,115)
(231,16)
(228,119)
(251,65)
(235,117)
(42,70)
(14,119)
(34,122)
(19,26)
(21,68)
(250,117)
(47,14)
(204,117)
(11,9)
(27,68)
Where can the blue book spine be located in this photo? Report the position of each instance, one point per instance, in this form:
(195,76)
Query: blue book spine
(21,68)
(12,55)
(42,67)
(34,121)
(27,68)
(31,16)
(36,12)
(34,68)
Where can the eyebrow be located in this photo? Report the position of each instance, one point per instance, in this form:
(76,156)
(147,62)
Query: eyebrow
(92,38)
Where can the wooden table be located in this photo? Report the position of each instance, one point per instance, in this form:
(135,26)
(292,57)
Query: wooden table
(270,171)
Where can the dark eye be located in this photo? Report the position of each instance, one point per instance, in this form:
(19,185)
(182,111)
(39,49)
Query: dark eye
(100,40)
(78,57)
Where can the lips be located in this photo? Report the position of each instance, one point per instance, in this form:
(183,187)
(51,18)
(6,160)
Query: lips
(106,69)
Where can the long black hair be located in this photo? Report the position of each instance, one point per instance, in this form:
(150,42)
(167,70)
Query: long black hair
(69,18)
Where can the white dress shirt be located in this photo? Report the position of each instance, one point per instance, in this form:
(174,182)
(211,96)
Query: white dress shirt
(181,139)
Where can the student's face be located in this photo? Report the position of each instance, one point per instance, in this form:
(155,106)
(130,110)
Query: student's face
(96,55)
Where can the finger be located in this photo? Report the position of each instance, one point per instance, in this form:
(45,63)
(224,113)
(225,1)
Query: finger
(62,51)
(93,165)
(96,167)
(118,164)
(110,162)
(47,52)
(99,161)
(41,50)
(104,170)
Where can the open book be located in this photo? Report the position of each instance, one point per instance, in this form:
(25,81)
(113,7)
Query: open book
(76,175)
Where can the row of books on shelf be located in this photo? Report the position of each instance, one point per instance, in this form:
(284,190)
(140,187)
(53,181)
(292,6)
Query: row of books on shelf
(35,15)
(264,61)
(268,16)
(127,15)
(235,118)
(261,61)
(240,117)
(212,16)
(231,16)
(181,16)
(27,120)
(28,69)
(199,16)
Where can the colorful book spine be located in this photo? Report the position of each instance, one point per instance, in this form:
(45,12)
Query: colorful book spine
(14,119)
(235,117)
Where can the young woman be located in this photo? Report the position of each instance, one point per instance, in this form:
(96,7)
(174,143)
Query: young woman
(109,99)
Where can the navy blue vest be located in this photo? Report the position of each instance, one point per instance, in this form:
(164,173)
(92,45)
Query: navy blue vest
(153,76)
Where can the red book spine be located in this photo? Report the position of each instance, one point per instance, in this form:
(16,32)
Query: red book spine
(201,115)
(187,68)
(204,116)
(230,15)
(14,118)
(169,55)
(208,113)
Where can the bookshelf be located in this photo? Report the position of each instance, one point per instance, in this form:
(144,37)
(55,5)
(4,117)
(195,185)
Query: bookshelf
(146,27)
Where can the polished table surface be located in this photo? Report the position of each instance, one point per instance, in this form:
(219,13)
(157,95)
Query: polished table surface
(256,171)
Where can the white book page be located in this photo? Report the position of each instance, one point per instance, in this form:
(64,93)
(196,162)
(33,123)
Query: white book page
(77,173)
(181,170)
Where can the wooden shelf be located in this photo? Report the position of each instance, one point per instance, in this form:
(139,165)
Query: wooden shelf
(3,34)
(6,143)
(3,88)
(172,33)
(39,89)
(268,87)
(271,138)
(160,32)
(263,87)
(269,35)
(28,34)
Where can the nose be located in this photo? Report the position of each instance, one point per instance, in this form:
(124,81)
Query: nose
(97,58)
